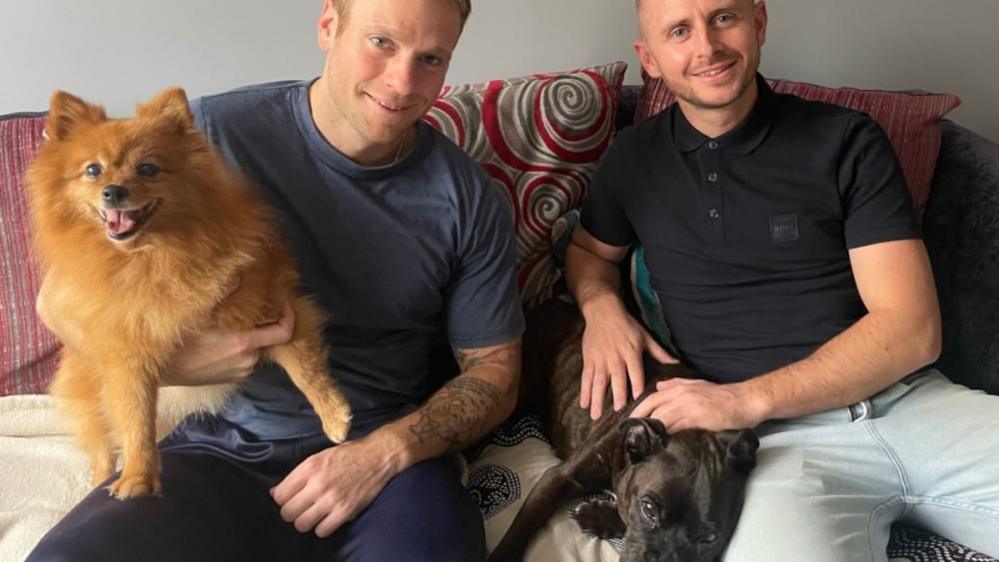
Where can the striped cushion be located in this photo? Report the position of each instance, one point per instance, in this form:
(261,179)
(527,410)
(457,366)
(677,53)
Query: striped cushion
(28,352)
(910,119)
(539,137)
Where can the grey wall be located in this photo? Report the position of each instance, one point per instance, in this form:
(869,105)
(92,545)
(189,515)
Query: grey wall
(121,51)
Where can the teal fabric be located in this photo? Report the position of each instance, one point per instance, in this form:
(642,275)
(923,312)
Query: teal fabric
(641,284)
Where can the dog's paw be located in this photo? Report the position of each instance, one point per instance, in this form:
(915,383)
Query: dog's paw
(336,425)
(138,486)
(600,519)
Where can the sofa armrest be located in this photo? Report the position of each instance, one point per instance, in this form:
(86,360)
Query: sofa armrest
(961,229)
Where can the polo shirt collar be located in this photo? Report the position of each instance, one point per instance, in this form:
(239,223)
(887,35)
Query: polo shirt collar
(744,138)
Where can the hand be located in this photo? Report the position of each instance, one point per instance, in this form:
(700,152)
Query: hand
(333,486)
(688,404)
(613,343)
(212,357)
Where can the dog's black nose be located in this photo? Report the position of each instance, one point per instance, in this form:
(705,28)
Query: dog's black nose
(114,194)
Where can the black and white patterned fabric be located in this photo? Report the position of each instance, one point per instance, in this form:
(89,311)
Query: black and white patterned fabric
(917,545)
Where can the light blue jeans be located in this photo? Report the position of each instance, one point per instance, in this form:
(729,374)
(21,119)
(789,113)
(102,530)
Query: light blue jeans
(828,486)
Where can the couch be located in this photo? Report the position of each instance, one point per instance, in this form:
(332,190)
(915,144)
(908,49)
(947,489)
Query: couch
(539,137)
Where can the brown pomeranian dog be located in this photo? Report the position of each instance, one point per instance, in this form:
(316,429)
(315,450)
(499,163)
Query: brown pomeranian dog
(141,229)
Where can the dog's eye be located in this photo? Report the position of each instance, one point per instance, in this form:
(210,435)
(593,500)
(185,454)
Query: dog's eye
(707,534)
(650,512)
(709,538)
(148,170)
(94,171)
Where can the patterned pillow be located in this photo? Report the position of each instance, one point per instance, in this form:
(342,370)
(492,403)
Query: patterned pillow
(28,351)
(539,137)
(910,119)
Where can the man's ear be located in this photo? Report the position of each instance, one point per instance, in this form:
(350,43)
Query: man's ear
(645,57)
(326,28)
(760,16)
(643,438)
(66,111)
(740,448)
(170,106)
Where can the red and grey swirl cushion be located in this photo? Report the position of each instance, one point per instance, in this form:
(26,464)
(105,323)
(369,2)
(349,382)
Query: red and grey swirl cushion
(539,137)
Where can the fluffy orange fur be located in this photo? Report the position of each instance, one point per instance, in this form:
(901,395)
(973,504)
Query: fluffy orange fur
(132,289)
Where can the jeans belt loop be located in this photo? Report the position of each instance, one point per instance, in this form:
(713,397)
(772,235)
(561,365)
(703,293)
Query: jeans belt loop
(860,411)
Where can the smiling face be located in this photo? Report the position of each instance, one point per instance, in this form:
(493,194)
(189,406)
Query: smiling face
(128,178)
(384,68)
(706,51)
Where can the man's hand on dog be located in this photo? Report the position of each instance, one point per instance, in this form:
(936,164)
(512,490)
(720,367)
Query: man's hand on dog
(333,486)
(613,343)
(698,404)
(212,356)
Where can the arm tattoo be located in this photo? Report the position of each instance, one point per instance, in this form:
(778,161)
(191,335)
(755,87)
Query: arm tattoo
(457,408)
(506,356)
(458,413)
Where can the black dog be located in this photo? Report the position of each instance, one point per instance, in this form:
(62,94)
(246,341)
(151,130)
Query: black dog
(678,497)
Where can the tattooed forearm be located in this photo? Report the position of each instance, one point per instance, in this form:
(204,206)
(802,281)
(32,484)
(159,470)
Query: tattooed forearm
(456,412)
(506,356)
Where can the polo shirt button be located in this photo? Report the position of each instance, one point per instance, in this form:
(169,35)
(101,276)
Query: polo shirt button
(712,145)
(713,213)
(712,177)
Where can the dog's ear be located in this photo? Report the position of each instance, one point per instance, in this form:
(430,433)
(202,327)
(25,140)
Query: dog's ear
(66,110)
(643,437)
(169,106)
(740,448)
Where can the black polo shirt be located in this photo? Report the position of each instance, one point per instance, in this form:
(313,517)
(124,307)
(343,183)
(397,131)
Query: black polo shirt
(747,235)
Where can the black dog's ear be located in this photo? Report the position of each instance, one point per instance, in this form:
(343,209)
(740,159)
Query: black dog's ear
(740,448)
(643,437)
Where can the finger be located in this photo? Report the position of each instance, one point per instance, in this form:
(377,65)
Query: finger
(673,383)
(586,382)
(645,408)
(636,374)
(301,502)
(657,352)
(291,485)
(273,334)
(599,391)
(678,424)
(333,521)
(619,387)
(310,518)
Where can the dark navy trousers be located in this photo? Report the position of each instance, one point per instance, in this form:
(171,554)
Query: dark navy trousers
(216,507)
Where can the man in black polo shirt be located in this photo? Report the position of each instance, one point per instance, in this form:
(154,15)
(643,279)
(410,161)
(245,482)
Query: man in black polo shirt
(782,244)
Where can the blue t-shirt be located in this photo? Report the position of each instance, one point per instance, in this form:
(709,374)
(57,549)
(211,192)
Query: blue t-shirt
(400,257)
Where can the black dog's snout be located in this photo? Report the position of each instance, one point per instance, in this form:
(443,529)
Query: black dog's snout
(114,194)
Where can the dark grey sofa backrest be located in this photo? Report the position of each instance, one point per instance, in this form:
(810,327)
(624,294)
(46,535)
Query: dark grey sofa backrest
(961,229)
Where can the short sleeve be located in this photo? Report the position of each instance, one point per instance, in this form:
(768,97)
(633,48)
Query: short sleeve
(603,215)
(877,203)
(483,305)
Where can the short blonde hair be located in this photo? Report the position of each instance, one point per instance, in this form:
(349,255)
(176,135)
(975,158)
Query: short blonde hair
(343,9)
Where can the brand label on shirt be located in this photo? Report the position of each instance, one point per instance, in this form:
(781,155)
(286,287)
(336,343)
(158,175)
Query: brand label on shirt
(783,228)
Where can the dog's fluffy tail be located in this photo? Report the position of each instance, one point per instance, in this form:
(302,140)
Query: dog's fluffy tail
(177,402)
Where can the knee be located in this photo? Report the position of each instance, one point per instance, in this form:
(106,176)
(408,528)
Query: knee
(425,514)
(59,549)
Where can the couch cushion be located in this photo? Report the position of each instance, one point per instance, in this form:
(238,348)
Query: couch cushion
(910,119)
(961,231)
(539,137)
(28,352)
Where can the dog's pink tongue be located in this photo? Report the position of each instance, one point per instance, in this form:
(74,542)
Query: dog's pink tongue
(118,222)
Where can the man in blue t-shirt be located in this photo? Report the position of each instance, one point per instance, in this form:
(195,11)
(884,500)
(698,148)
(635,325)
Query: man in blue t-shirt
(782,244)
(403,239)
